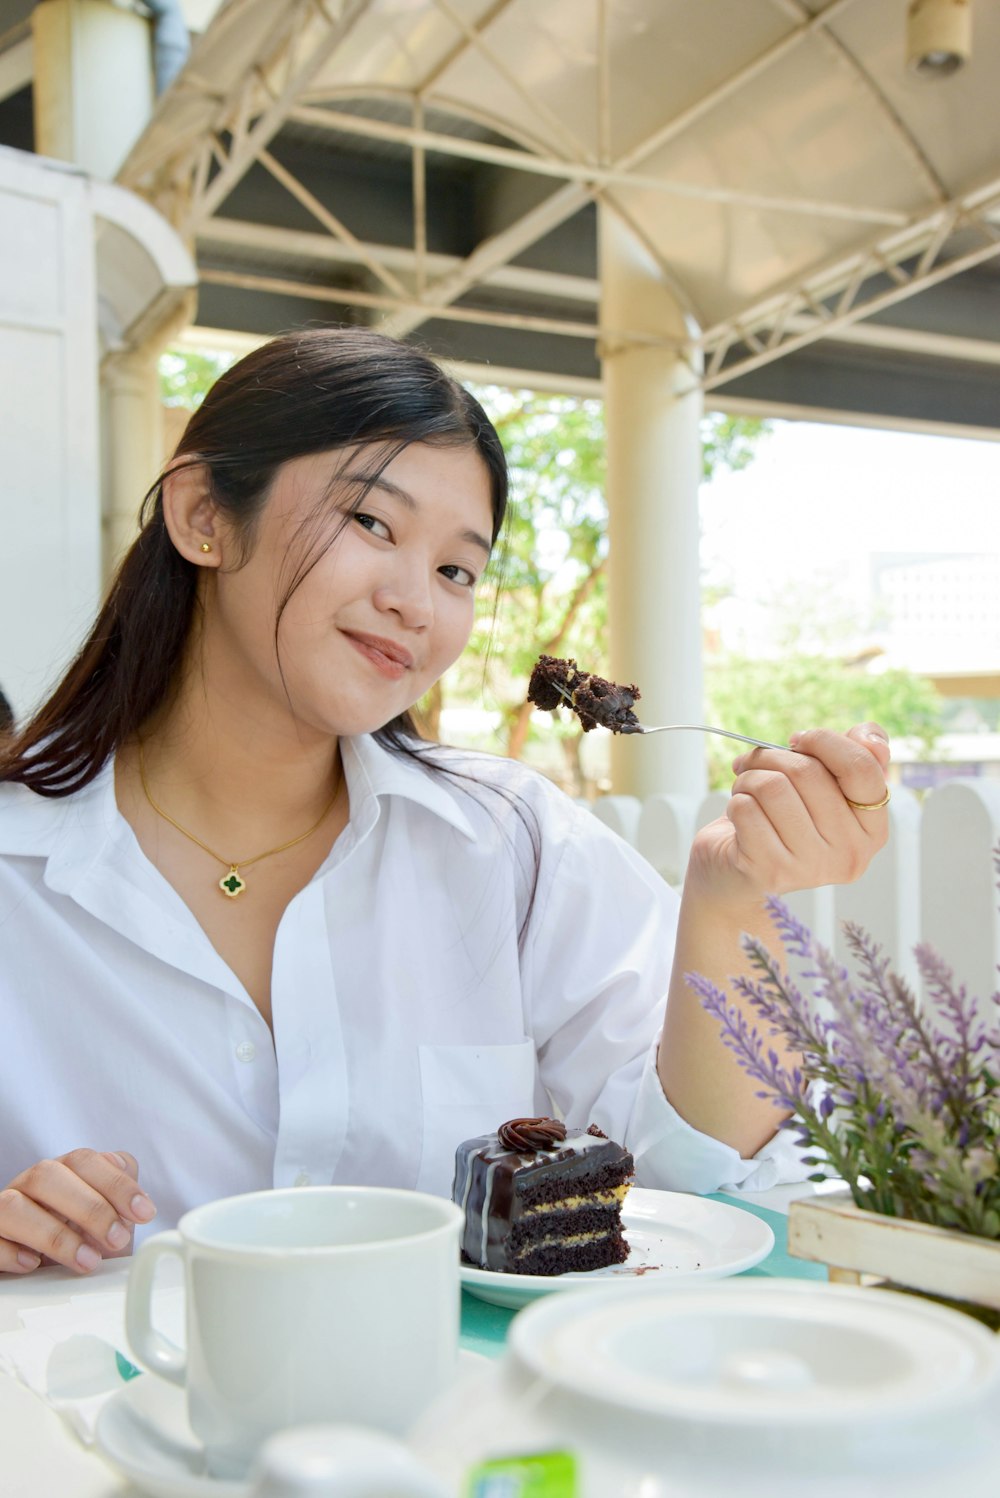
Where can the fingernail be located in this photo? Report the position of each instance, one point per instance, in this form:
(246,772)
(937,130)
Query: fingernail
(142,1207)
(793,740)
(877,738)
(87,1257)
(27,1260)
(118,1235)
(120,1158)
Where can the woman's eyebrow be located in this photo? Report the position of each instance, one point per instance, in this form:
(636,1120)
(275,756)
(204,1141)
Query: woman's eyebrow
(407,500)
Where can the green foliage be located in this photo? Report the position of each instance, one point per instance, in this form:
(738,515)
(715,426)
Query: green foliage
(772,699)
(186,375)
(547,588)
(729,442)
(550,594)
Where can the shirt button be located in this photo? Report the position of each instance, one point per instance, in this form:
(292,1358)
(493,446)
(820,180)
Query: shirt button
(246,1050)
(302,1179)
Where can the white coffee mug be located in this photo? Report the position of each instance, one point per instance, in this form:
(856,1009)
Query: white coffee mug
(314,1304)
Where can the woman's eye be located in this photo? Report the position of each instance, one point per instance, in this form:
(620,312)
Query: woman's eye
(460,575)
(372,525)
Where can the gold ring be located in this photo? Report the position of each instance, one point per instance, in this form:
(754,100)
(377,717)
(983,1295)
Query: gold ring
(870,805)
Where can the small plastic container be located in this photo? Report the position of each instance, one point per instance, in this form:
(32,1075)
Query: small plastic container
(340,1461)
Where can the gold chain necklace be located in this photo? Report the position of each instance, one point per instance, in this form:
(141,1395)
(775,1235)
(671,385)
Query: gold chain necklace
(232,884)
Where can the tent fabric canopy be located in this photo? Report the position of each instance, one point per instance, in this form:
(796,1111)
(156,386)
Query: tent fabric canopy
(828,221)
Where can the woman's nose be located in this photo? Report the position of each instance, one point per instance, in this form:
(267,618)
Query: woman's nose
(407,594)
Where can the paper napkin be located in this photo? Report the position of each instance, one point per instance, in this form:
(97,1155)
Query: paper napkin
(75,1355)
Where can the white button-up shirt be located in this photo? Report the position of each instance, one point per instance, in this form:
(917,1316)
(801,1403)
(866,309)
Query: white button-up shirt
(407,1016)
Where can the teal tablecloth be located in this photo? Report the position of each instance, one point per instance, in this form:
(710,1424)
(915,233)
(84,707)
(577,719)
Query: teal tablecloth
(484,1327)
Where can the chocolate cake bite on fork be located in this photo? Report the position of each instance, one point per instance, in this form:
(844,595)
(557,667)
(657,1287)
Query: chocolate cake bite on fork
(597,702)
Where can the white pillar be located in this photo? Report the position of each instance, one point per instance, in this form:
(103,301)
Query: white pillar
(93,85)
(133,446)
(653,411)
(133,432)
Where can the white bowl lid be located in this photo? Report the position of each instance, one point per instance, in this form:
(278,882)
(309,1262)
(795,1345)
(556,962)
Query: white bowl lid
(761,1352)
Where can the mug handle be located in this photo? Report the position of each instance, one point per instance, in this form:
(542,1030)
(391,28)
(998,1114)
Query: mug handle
(151,1347)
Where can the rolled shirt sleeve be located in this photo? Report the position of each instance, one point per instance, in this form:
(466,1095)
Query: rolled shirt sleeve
(673,1156)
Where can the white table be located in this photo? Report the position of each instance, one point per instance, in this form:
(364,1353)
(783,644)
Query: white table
(39,1456)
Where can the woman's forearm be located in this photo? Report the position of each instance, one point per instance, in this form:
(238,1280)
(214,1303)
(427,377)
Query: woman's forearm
(796,820)
(699,1075)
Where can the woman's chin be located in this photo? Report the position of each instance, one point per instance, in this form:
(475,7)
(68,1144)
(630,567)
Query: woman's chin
(346,724)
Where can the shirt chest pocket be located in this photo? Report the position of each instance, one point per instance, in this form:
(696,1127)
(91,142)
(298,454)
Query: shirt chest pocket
(466,1091)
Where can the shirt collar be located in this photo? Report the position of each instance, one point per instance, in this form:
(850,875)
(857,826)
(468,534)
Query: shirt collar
(38,826)
(77,827)
(373,771)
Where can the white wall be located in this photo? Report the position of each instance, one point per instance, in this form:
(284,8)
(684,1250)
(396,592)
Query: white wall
(92,282)
(49,476)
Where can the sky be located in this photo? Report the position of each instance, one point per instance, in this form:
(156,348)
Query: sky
(797,528)
(817,493)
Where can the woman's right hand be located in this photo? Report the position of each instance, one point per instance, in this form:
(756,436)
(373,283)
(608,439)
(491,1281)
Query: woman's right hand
(74,1211)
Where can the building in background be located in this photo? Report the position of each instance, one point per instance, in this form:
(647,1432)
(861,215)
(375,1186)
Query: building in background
(942,619)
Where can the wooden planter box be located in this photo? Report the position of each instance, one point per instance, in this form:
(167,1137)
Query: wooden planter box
(861,1247)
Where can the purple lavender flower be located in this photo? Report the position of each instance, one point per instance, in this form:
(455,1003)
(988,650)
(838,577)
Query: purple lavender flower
(902,1099)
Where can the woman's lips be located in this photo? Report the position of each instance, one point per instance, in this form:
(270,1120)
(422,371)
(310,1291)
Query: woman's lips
(387,657)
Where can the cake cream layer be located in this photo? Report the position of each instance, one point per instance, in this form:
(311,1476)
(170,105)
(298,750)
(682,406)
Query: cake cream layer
(611,1198)
(571,1240)
(510,1196)
(564,1258)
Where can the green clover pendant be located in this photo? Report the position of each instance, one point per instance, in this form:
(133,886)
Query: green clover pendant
(232,885)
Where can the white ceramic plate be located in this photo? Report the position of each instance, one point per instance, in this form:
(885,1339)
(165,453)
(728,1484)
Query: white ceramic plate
(673,1239)
(143,1431)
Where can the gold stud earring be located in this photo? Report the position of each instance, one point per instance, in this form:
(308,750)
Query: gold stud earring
(206,546)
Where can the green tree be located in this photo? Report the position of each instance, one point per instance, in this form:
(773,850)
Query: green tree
(551,596)
(547,593)
(186,375)
(772,699)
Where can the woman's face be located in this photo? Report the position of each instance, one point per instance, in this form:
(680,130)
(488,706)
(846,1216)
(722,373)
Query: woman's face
(388,604)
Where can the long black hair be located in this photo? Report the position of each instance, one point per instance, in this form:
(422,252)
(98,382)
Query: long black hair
(302,393)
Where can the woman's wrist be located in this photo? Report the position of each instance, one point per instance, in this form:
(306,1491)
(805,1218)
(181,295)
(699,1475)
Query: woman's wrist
(717,894)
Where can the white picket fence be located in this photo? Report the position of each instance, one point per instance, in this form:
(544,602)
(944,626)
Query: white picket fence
(935,881)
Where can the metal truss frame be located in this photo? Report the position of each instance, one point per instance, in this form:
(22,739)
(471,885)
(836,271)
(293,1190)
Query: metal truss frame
(190,178)
(928,252)
(179,179)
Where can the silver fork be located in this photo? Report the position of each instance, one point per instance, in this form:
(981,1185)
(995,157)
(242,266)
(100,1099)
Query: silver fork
(726,733)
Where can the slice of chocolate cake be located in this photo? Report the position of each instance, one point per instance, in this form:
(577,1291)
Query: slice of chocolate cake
(540,1198)
(597,703)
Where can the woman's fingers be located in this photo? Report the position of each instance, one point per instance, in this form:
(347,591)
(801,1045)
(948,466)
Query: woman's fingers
(854,763)
(114,1178)
(804,830)
(38,1230)
(139,1202)
(16,1259)
(873,737)
(74,1211)
(858,760)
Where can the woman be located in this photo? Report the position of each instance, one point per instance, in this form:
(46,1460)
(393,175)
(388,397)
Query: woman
(254,932)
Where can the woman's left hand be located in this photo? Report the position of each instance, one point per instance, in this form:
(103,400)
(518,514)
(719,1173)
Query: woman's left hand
(790,824)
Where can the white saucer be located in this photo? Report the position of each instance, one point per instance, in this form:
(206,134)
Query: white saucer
(143,1431)
(674,1239)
